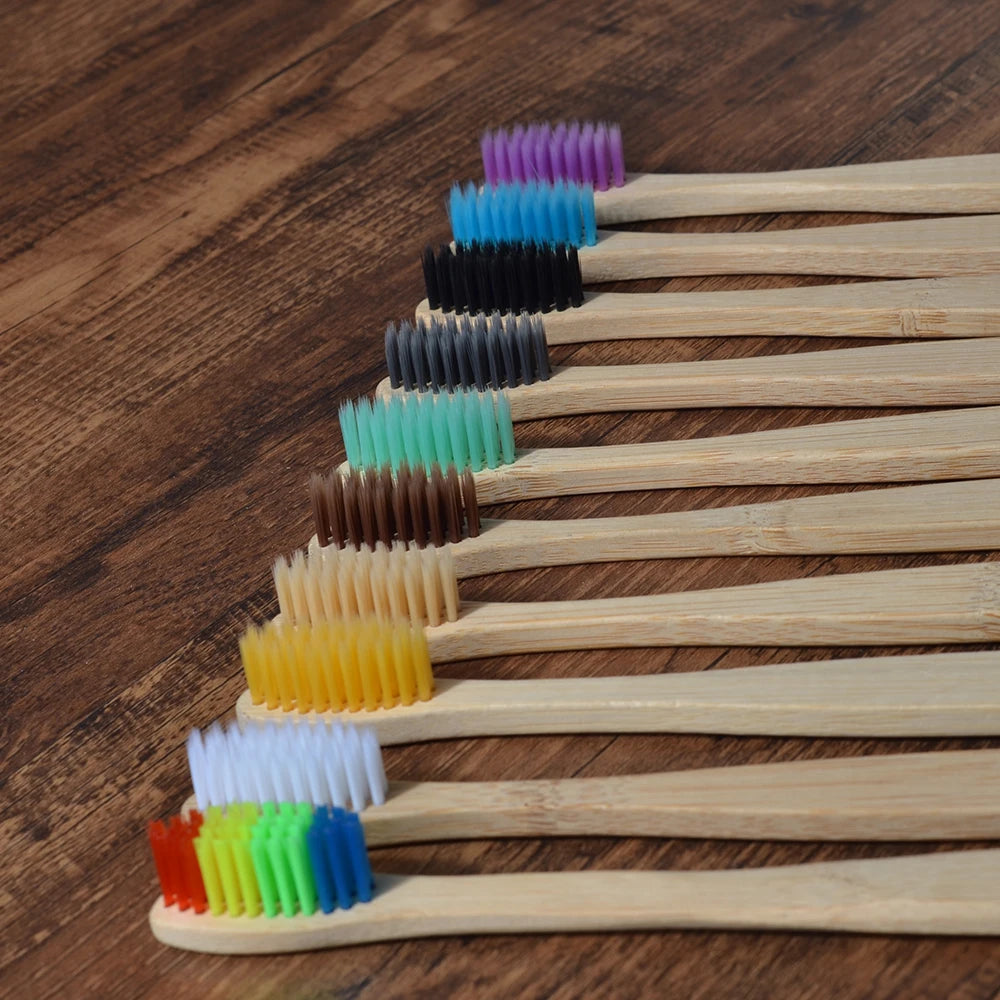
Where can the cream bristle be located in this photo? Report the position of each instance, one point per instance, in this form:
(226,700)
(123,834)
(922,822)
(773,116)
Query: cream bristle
(330,584)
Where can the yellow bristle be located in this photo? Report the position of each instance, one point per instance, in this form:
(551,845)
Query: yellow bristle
(362,664)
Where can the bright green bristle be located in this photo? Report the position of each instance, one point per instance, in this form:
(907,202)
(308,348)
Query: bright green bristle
(465,429)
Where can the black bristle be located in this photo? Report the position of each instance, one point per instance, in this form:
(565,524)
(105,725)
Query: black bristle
(463,343)
(392,356)
(418,357)
(541,347)
(407,376)
(545,263)
(435,367)
(521,330)
(508,354)
(446,293)
(509,278)
(448,334)
(494,335)
(477,352)
(430,266)
(575,279)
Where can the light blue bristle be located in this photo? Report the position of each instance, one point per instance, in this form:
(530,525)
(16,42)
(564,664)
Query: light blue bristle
(589,215)
(458,436)
(541,213)
(491,435)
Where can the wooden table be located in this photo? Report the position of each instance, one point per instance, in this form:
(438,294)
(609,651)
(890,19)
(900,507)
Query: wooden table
(210,210)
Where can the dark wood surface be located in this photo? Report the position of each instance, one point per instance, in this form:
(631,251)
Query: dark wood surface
(209,210)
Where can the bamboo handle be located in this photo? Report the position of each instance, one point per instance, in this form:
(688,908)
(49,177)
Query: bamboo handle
(932,518)
(945,893)
(931,694)
(923,796)
(924,307)
(924,374)
(951,184)
(921,248)
(936,604)
(949,444)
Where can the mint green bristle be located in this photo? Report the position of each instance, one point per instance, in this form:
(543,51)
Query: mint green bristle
(395,432)
(473,431)
(381,429)
(421,410)
(505,423)
(411,433)
(442,438)
(369,427)
(349,432)
(491,435)
(458,435)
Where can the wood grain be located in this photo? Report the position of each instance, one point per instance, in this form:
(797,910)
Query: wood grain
(209,211)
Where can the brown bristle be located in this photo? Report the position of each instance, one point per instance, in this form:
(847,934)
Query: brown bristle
(471,502)
(364,509)
(317,500)
(453,505)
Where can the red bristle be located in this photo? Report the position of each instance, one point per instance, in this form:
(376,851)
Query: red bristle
(172,844)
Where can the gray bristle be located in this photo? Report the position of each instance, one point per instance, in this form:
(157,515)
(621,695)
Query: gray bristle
(467,352)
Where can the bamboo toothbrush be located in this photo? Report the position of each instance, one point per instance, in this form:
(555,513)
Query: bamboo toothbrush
(512,279)
(352,631)
(438,509)
(590,153)
(932,694)
(494,353)
(923,248)
(475,430)
(920,796)
(249,865)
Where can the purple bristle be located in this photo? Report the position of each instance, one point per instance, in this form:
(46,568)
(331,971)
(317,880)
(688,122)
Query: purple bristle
(584,154)
(572,150)
(587,153)
(514,153)
(617,155)
(557,156)
(601,158)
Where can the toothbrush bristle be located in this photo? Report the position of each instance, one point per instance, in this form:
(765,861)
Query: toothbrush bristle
(469,352)
(172,844)
(410,506)
(536,213)
(281,857)
(323,764)
(504,277)
(545,152)
(364,664)
(465,429)
(333,585)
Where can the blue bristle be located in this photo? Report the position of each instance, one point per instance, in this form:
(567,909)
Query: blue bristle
(364,881)
(320,864)
(537,213)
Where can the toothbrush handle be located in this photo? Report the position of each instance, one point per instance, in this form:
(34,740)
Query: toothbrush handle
(937,604)
(922,796)
(929,694)
(966,306)
(949,184)
(927,374)
(949,444)
(944,893)
(932,518)
(923,248)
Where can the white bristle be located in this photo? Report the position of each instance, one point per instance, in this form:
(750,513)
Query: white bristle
(402,581)
(324,764)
